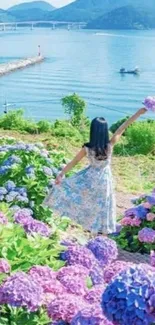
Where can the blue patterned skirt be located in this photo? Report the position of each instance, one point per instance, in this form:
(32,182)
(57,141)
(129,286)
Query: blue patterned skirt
(87,198)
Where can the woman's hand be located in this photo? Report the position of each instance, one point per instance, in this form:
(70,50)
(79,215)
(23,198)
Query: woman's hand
(58,179)
(143,110)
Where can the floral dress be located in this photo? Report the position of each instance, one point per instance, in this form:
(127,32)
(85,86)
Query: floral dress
(87,197)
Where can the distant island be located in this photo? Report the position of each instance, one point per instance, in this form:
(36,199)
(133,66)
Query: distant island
(121,18)
(98,14)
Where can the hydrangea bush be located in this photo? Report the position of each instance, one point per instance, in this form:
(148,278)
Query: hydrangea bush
(138,225)
(27,171)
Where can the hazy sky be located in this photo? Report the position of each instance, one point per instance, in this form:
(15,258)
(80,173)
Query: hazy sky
(4,4)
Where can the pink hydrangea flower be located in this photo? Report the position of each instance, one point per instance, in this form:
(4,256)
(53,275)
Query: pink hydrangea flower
(147,205)
(150,216)
(133,222)
(4,266)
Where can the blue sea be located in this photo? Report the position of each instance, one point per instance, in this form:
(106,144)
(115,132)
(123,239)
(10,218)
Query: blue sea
(85,62)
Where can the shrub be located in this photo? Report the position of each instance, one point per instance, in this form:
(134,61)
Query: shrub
(141,138)
(43,126)
(138,226)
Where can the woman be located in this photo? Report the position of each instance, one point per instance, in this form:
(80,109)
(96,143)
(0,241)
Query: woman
(88,196)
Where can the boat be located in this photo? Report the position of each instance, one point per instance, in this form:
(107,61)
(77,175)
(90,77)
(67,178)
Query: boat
(134,71)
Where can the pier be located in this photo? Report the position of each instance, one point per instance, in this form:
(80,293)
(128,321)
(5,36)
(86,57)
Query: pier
(9,67)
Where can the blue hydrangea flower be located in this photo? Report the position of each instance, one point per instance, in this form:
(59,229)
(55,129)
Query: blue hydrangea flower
(11,196)
(10,186)
(3,191)
(140,212)
(29,170)
(129,298)
(151,199)
(4,170)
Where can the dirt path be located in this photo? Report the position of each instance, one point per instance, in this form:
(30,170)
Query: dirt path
(123,202)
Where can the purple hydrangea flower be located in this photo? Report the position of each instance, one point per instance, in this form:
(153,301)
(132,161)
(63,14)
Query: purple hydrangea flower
(79,255)
(91,315)
(114,269)
(74,285)
(146,235)
(73,271)
(23,217)
(129,298)
(20,290)
(140,212)
(3,219)
(44,275)
(149,103)
(4,266)
(104,249)
(94,295)
(61,322)
(37,227)
(96,274)
(65,307)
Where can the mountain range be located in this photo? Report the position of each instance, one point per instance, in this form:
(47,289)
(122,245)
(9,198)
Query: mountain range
(99,14)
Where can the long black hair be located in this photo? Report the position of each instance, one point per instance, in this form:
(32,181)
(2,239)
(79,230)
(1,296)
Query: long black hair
(99,138)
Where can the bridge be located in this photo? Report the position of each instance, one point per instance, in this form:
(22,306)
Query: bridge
(32,24)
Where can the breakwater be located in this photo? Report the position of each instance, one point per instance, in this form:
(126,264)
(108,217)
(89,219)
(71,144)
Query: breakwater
(19,64)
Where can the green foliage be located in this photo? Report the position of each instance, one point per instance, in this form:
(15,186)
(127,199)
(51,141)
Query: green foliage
(75,108)
(139,139)
(19,316)
(44,126)
(23,251)
(14,120)
(128,239)
(116,125)
(65,129)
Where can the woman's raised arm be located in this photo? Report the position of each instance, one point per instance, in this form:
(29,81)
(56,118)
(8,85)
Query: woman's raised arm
(81,154)
(115,138)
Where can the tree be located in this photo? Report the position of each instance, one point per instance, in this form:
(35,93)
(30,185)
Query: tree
(75,108)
